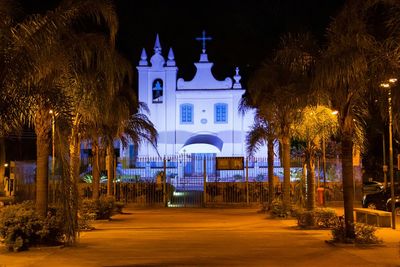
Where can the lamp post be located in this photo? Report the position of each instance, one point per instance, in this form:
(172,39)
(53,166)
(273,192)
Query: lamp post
(387,85)
(385,167)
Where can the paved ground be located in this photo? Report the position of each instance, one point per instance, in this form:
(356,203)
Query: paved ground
(206,237)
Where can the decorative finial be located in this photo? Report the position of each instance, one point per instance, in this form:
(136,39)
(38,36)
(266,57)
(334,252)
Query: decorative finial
(171,58)
(171,54)
(157,46)
(143,58)
(237,78)
(204,38)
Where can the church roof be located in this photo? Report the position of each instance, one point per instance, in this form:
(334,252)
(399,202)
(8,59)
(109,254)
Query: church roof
(204,79)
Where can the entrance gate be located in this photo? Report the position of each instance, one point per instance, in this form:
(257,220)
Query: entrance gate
(189,185)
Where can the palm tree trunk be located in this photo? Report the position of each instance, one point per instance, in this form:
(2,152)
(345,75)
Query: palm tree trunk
(271,188)
(310,181)
(286,171)
(348,186)
(42,130)
(303,192)
(74,153)
(95,170)
(110,170)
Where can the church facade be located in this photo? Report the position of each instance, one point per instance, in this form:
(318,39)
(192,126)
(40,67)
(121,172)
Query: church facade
(199,116)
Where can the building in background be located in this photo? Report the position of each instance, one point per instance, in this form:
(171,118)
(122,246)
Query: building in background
(200,116)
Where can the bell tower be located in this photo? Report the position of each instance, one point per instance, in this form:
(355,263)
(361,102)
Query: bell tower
(157,88)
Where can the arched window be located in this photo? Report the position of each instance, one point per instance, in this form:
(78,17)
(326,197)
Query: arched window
(157,91)
(186,113)
(221,113)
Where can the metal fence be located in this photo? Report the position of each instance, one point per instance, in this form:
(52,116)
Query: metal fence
(189,181)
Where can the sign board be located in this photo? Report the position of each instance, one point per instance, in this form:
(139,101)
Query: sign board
(230,163)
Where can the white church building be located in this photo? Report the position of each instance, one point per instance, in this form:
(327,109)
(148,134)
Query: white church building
(199,116)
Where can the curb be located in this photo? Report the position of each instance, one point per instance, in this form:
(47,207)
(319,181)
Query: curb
(354,245)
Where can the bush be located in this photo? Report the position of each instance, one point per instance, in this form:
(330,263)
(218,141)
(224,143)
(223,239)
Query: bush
(306,219)
(101,209)
(326,218)
(105,207)
(21,227)
(118,206)
(278,209)
(364,234)
(87,213)
(319,218)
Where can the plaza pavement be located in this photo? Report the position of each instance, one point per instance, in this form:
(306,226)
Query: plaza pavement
(206,237)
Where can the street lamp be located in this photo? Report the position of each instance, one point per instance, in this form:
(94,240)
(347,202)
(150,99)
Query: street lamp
(387,85)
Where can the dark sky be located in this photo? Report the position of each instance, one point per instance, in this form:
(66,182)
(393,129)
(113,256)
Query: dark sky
(244,32)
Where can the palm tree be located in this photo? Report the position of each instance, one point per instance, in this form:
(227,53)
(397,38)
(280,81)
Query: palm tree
(127,123)
(39,70)
(280,89)
(115,115)
(342,76)
(316,123)
(260,133)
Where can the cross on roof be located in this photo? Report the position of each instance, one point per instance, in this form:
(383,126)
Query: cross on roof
(204,38)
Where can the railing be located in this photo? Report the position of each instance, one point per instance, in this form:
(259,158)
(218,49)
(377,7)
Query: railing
(186,183)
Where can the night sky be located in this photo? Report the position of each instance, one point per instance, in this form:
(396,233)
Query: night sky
(244,32)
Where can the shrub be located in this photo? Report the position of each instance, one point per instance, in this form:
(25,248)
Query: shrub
(325,218)
(118,206)
(21,226)
(364,234)
(319,218)
(306,219)
(101,209)
(105,207)
(338,231)
(53,228)
(87,213)
(278,209)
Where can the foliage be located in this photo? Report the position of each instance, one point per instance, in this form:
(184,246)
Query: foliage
(99,209)
(88,178)
(316,123)
(278,90)
(306,219)
(342,76)
(278,209)
(118,206)
(364,234)
(21,226)
(319,218)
